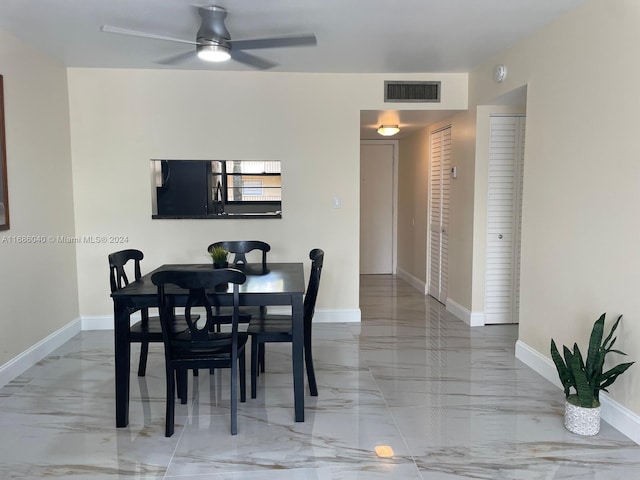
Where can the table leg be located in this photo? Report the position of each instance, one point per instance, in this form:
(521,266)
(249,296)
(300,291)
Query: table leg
(297,316)
(123,366)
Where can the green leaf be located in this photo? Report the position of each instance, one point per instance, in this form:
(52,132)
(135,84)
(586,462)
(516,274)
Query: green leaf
(568,358)
(594,347)
(577,354)
(563,372)
(585,394)
(610,376)
(613,329)
(616,351)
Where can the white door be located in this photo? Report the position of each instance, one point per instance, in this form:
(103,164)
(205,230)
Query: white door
(376,208)
(506,157)
(440,175)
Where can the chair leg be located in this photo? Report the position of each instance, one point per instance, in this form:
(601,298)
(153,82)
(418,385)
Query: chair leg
(243,377)
(311,374)
(254,365)
(183,384)
(234,398)
(169,415)
(144,351)
(261,350)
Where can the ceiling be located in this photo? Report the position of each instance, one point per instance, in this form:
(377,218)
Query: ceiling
(354,36)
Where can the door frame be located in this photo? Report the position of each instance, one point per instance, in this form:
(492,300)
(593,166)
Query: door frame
(394,211)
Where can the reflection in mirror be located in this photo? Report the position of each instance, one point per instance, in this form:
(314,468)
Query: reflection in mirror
(216,189)
(4,194)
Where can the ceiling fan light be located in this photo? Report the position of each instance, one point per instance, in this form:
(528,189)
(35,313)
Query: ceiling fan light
(213,53)
(388,130)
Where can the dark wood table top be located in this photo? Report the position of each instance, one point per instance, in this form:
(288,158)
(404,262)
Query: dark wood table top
(276,280)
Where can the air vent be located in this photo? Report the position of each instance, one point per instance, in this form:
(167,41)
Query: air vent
(411,91)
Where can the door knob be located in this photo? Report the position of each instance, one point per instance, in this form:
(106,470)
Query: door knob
(500,236)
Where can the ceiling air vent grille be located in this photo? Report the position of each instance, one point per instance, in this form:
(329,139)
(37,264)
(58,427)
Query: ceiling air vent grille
(411,91)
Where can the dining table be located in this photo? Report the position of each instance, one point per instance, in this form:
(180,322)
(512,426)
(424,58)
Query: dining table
(272,284)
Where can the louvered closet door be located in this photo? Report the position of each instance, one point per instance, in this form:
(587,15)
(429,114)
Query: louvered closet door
(504,209)
(439,213)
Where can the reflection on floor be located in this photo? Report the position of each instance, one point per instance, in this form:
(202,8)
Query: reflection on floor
(452,402)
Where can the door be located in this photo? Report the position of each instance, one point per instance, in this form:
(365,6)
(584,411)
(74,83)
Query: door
(376,207)
(440,175)
(506,161)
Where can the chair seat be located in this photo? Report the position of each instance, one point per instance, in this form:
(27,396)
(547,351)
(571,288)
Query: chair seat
(207,352)
(214,339)
(223,314)
(152,331)
(270,324)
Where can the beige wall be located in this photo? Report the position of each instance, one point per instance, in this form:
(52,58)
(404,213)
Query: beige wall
(413,181)
(122,118)
(413,206)
(38,287)
(580,213)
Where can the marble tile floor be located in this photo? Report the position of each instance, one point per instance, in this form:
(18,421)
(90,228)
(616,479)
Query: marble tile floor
(451,401)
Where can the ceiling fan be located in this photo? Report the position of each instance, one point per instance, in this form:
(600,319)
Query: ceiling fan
(213,42)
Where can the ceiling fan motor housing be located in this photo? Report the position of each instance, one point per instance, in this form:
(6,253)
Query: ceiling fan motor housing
(212,27)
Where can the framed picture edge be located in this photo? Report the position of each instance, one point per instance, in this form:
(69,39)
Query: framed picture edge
(4,198)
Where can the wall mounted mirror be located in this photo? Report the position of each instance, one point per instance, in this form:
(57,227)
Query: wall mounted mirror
(216,188)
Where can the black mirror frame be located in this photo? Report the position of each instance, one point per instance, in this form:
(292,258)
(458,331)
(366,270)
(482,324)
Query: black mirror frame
(4,199)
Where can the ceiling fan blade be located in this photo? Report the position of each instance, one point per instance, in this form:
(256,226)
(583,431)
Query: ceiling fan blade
(135,33)
(177,59)
(299,40)
(251,60)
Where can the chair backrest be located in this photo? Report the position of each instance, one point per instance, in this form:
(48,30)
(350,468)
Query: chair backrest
(240,248)
(117,273)
(317,258)
(201,296)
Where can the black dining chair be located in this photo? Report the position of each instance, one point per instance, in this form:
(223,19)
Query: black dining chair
(240,249)
(199,346)
(148,328)
(278,328)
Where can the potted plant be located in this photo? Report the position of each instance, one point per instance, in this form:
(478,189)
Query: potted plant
(582,408)
(219,256)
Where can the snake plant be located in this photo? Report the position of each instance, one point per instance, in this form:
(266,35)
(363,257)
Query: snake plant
(587,379)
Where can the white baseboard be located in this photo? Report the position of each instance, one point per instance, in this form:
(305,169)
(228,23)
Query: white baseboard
(470,318)
(411,280)
(103,322)
(615,414)
(27,359)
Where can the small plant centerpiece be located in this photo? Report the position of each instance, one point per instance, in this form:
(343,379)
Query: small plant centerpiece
(219,256)
(582,408)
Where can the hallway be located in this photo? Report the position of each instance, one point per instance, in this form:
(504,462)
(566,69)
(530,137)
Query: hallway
(451,401)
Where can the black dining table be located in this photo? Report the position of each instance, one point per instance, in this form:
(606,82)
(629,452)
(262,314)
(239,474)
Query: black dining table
(275,284)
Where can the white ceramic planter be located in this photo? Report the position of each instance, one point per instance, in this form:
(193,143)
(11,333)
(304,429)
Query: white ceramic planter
(581,420)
